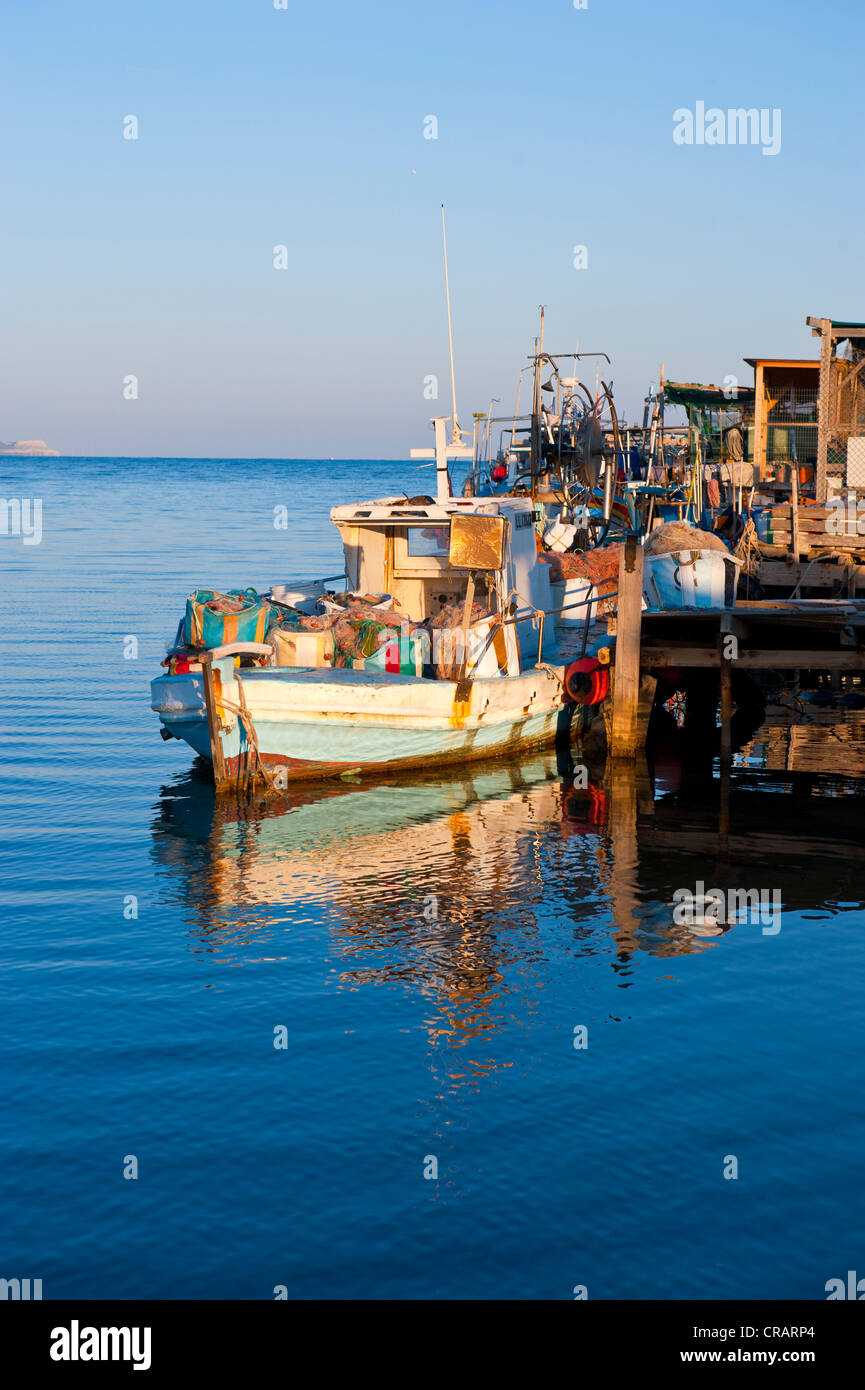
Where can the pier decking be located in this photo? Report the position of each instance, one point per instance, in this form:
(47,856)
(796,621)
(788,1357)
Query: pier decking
(770,635)
(766,635)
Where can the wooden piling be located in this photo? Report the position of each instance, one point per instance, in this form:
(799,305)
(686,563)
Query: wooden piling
(626,731)
(216,753)
(794,510)
(724,810)
(725,667)
(629,789)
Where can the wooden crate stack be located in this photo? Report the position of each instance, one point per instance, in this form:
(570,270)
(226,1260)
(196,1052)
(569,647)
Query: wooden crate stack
(817,528)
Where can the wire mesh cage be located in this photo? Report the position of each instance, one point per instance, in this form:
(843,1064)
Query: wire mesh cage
(846,404)
(791,423)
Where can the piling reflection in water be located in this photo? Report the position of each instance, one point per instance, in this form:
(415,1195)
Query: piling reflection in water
(457,888)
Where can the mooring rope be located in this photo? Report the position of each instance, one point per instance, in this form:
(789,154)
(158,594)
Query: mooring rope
(243,713)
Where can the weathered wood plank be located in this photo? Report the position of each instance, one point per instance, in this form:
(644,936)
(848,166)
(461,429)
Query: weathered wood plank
(795,659)
(778,572)
(626,681)
(794,514)
(821,540)
(216,752)
(816,528)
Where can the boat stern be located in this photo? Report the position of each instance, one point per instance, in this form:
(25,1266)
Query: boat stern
(179,702)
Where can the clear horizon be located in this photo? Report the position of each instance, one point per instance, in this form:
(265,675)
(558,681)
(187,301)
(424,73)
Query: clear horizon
(153,257)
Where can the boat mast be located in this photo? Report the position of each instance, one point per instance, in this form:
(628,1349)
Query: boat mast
(456,432)
(457,449)
(535,437)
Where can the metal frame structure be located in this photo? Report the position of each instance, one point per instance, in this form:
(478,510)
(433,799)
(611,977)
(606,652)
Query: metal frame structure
(837,418)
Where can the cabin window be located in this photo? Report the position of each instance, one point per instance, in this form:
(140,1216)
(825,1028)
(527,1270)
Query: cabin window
(428,540)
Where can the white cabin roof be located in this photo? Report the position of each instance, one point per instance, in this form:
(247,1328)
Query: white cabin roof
(405,513)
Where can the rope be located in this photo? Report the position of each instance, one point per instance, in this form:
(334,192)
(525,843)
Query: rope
(368,638)
(242,711)
(746,550)
(818,559)
(551,670)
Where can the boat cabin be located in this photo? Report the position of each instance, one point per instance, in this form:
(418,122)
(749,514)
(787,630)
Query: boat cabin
(402,547)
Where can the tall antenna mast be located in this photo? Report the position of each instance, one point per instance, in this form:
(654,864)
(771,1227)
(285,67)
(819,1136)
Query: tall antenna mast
(456,432)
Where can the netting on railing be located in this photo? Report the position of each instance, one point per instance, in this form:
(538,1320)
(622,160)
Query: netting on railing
(846,402)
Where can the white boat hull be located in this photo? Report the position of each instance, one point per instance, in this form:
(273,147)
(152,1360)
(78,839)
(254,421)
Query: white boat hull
(315,723)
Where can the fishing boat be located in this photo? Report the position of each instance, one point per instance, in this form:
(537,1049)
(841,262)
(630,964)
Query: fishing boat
(471,657)
(461,627)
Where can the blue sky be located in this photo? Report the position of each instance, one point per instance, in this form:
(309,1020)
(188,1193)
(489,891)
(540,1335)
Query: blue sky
(304,127)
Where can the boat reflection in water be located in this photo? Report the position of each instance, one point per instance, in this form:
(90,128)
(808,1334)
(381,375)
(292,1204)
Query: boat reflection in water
(470,888)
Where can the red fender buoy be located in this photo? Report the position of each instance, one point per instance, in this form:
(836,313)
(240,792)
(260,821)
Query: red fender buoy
(586,681)
(577,681)
(600,686)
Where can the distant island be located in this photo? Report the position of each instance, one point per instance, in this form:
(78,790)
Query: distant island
(28,448)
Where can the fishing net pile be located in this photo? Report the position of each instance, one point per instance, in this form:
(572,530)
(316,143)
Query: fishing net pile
(453,614)
(678,535)
(446,647)
(598,567)
(359,632)
(227,603)
(359,629)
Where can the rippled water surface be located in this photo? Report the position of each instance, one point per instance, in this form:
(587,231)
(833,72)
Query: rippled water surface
(425,949)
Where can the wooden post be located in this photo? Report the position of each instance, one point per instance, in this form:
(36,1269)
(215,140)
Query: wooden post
(724,810)
(759,423)
(629,621)
(624,868)
(467,622)
(645,705)
(794,510)
(823,328)
(216,753)
(725,668)
(630,794)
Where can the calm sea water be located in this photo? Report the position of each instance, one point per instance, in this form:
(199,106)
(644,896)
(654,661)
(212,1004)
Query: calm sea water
(414,1043)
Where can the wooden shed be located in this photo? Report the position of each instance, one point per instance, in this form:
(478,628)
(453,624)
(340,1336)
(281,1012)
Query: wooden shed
(786,391)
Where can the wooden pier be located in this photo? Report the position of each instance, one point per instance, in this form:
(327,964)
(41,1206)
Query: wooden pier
(769,635)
